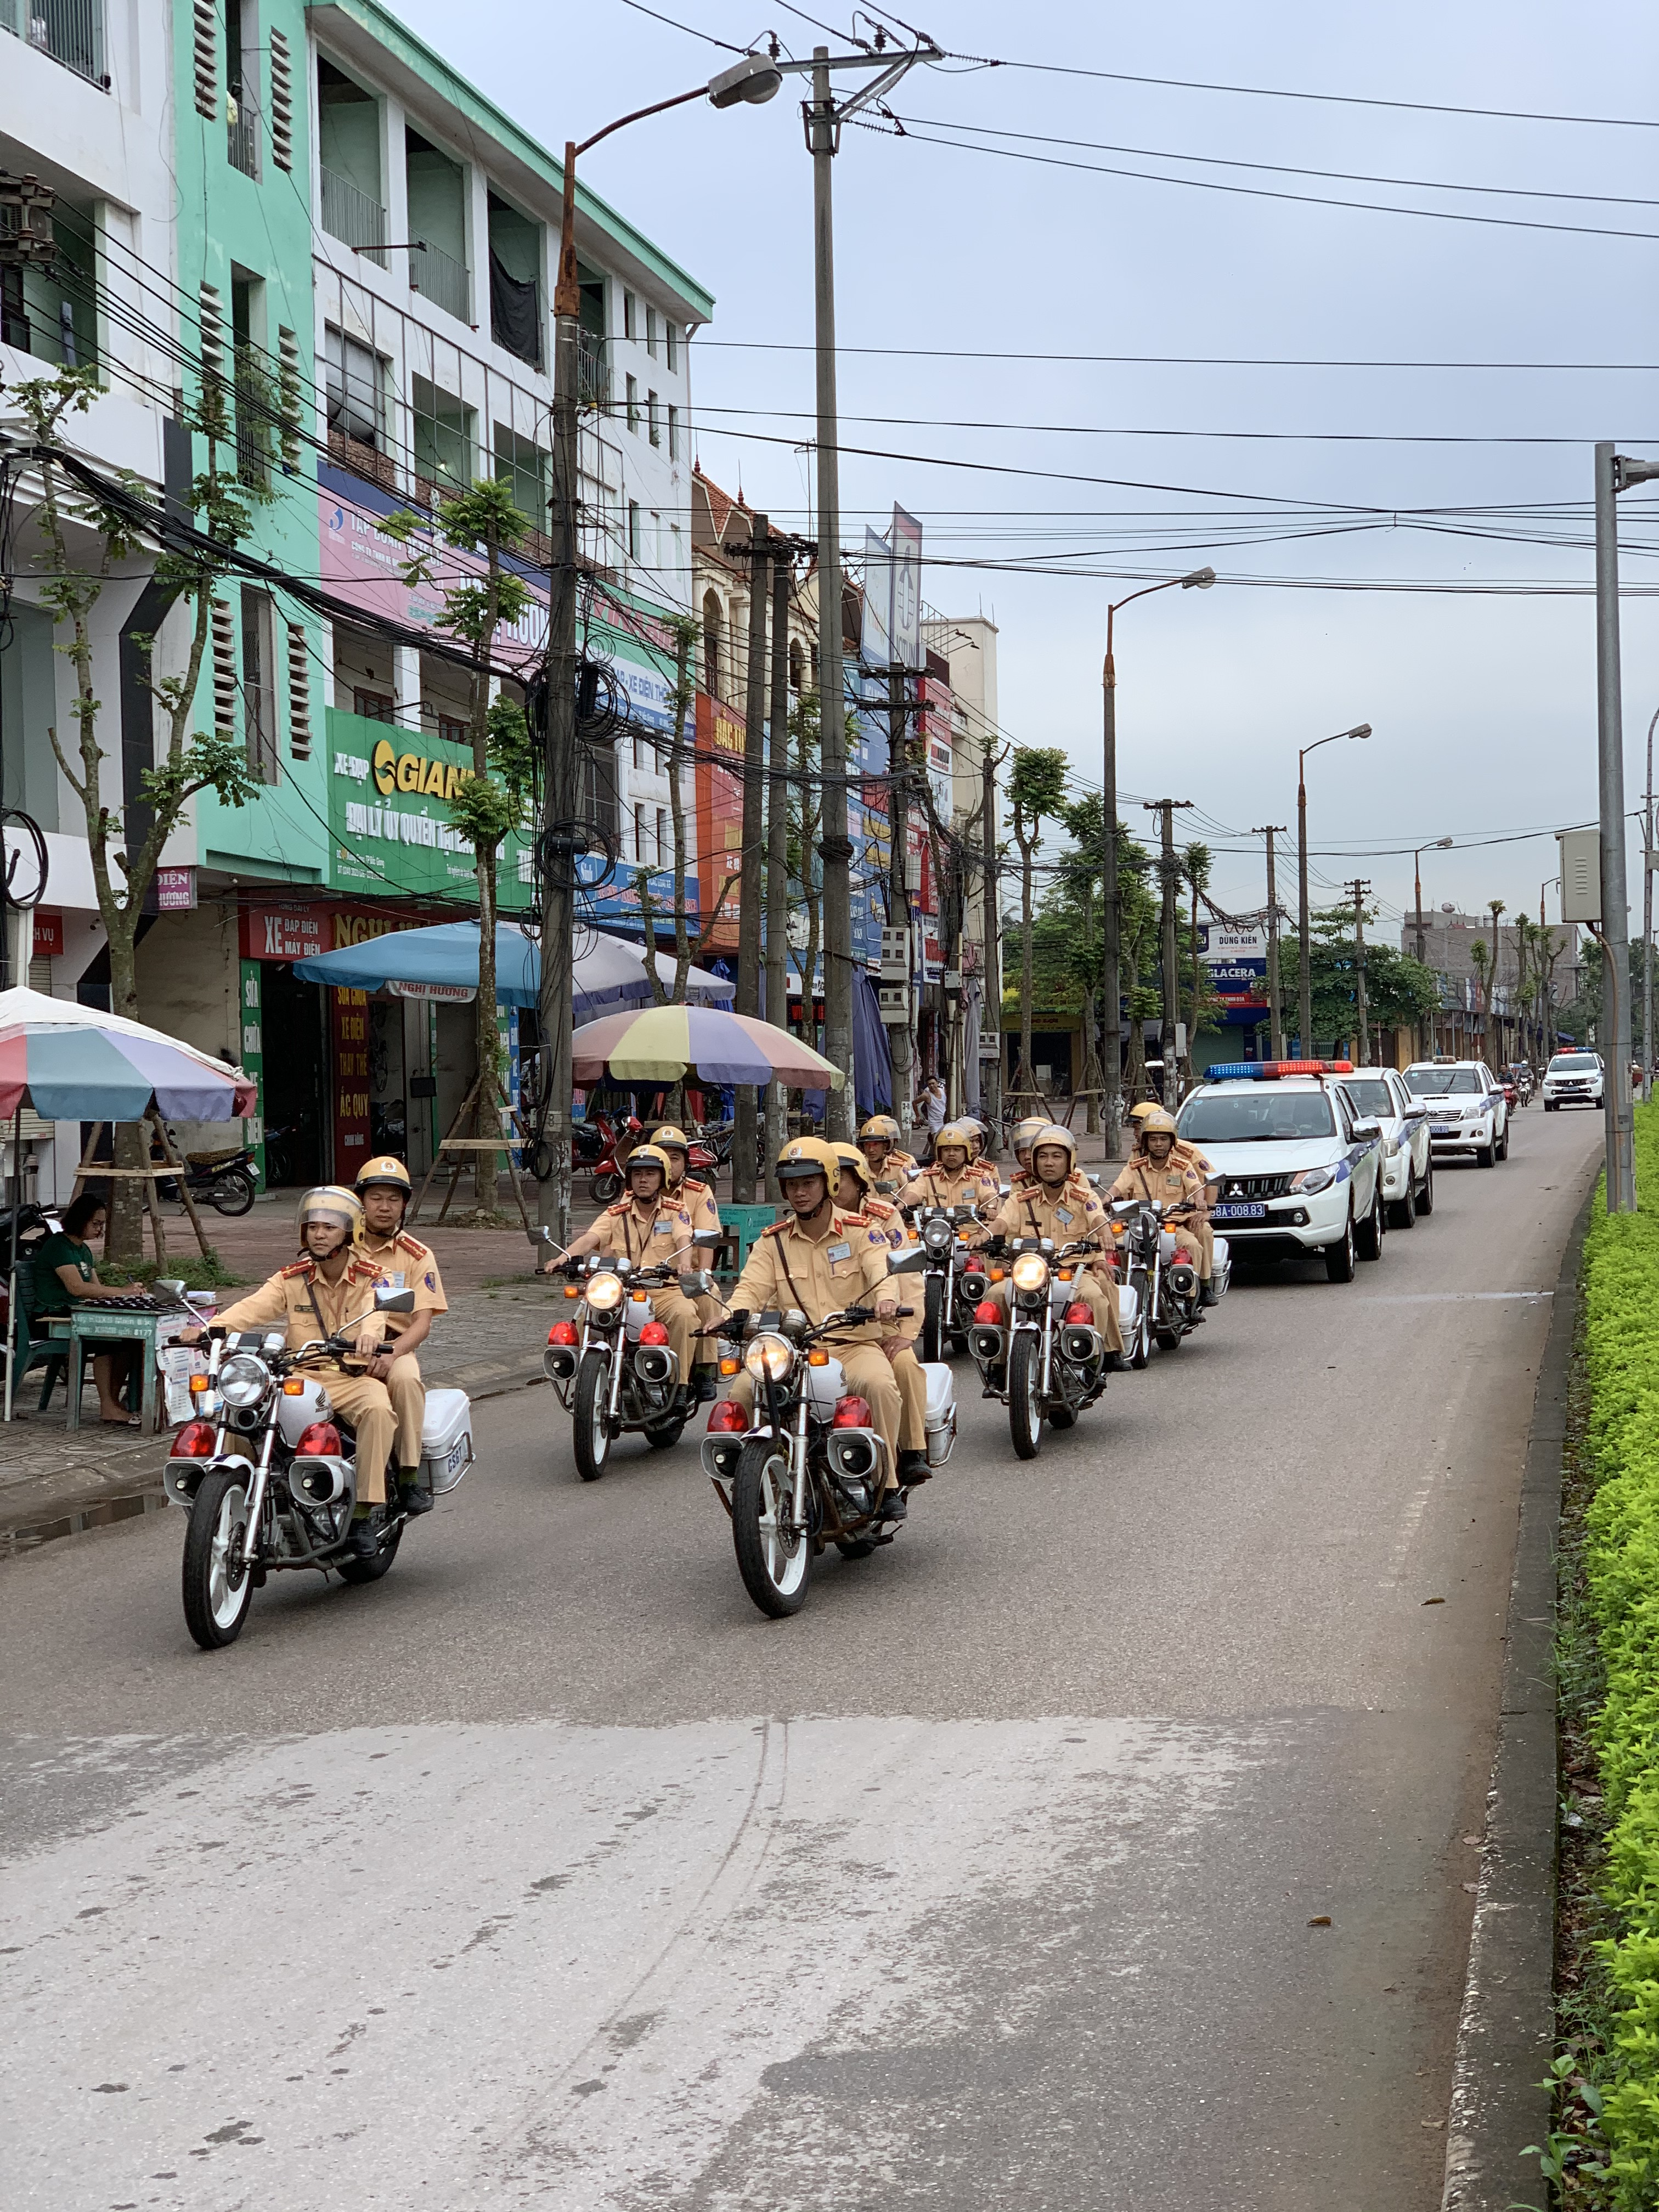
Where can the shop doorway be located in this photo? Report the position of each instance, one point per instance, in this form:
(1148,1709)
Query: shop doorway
(295,1041)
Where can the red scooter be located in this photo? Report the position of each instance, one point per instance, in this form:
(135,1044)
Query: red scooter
(615,1140)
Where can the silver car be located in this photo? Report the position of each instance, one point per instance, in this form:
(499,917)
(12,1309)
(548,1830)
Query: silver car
(1379,1095)
(1468,1110)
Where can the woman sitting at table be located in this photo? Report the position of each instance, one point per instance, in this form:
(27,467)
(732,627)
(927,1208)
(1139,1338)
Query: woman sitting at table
(65,1272)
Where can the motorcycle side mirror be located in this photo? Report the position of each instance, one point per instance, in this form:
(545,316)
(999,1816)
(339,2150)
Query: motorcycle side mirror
(709,1238)
(1094,1180)
(696,1283)
(542,1240)
(388,1301)
(909,1262)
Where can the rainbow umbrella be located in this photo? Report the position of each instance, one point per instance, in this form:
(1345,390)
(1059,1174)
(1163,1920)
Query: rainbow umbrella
(663,1043)
(74,1063)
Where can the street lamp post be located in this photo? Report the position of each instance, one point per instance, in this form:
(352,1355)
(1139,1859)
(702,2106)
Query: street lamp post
(1360,730)
(754,79)
(1647,923)
(1437,845)
(1111,1016)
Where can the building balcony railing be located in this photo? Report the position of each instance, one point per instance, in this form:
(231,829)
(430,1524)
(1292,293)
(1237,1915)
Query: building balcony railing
(592,370)
(242,144)
(71,31)
(350,215)
(438,277)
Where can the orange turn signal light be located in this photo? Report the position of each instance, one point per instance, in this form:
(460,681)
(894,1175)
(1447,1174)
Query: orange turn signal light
(200,1382)
(572,1290)
(818,1360)
(293,1387)
(730,1366)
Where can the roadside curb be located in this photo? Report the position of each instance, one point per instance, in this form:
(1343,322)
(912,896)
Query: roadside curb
(71,1508)
(1506,2024)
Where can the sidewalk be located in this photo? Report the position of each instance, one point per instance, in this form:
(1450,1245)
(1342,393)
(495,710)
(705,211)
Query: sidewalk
(55,1481)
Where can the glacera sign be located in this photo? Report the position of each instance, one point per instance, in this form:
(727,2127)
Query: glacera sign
(389,795)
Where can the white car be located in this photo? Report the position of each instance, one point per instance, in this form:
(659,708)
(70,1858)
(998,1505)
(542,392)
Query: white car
(1468,1110)
(1379,1094)
(1294,1169)
(1574,1079)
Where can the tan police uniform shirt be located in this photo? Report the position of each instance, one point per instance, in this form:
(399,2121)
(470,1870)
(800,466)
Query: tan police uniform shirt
(1065,1214)
(1173,1184)
(698,1200)
(845,1266)
(895,1171)
(407,1265)
(308,1306)
(932,1187)
(656,1236)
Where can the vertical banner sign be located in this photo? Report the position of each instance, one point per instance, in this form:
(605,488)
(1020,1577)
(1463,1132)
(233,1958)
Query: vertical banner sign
(251,1049)
(347,1018)
(906,545)
(875,639)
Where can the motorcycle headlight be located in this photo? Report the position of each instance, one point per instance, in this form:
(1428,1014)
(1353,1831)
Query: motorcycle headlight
(770,1357)
(1313,1179)
(605,1293)
(243,1380)
(1030,1271)
(937,1235)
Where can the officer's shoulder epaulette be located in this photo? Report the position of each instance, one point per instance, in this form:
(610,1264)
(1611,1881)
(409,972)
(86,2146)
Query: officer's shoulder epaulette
(623,1206)
(776,1228)
(858,1220)
(410,1244)
(701,1189)
(360,1265)
(297,1267)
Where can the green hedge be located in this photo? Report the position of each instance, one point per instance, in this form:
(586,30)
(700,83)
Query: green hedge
(1621,1276)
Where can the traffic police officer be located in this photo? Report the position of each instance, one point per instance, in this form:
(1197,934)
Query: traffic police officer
(1053,1204)
(821,1260)
(649,1229)
(878,1140)
(330,1292)
(854,1197)
(1154,1173)
(1187,1156)
(950,1180)
(383,1186)
(698,1200)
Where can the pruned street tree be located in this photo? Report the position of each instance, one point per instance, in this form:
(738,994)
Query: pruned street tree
(1036,794)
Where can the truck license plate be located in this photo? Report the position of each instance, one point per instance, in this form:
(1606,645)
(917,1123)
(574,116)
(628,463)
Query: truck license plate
(1445,1129)
(1252,1212)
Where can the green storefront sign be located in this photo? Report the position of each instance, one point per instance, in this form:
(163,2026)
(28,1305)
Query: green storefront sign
(388,814)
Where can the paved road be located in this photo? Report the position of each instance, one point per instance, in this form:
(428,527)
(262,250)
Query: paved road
(548,1874)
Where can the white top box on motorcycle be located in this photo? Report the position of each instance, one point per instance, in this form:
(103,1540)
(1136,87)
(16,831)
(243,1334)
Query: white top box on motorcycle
(446,1439)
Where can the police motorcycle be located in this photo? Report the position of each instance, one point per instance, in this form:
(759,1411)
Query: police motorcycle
(266,1468)
(813,1468)
(1167,1292)
(1049,1356)
(611,1364)
(941,1230)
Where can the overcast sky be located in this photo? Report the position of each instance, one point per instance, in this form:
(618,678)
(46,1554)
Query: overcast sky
(1483,706)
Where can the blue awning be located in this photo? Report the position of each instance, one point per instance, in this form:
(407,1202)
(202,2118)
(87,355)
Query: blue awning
(608,971)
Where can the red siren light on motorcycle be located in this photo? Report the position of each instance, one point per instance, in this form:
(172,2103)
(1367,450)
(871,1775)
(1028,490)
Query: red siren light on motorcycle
(988,1313)
(320,1441)
(194,1441)
(851,1413)
(562,1332)
(654,1333)
(727,1418)
(1079,1315)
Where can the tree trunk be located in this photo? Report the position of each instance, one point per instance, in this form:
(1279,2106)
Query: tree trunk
(1024,1078)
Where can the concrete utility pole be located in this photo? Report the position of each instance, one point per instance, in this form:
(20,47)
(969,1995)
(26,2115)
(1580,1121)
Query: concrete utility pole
(1166,809)
(777,850)
(1647,923)
(1614,472)
(900,1036)
(1359,887)
(747,1001)
(1275,1007)
(991,917)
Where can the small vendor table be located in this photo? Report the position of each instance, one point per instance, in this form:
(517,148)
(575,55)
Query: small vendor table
(92,1328)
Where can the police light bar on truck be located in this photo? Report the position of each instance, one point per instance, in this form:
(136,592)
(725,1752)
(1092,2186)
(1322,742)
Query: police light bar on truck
(1268,1071)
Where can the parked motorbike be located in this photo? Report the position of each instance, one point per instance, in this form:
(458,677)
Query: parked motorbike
(266,1469)
(616,1140)
(1167,1293)
(813,1468)
(945,1308)
(611,1365)
(226,1180)
(1046,1361)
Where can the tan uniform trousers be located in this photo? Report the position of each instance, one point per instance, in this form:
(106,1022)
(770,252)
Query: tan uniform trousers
(869,1375)
(913,1400)
(1201,1234)
(1102,1298)
(408,1394)
(368,1406)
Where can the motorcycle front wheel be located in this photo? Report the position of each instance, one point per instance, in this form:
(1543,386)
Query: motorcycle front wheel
(605,1189)
(232,1192)
(590,1424)
(933,1346)
(1024,1403)
(217,1594)
(775,1567)
(1140,1349)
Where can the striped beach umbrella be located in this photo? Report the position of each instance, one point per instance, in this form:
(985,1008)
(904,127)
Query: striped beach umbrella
(660,1044)
(74,1063)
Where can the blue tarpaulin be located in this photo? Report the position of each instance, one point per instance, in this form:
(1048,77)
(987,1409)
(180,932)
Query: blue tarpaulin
(609,972)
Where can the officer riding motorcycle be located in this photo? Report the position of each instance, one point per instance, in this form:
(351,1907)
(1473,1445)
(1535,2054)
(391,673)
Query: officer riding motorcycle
(649,1230)
(698,1200)
(1058,1204)
(855,1193)
(1153,1174)
(1020,1142)
(952,1181)
(384,1189)
(878,1140)
(1188,1155)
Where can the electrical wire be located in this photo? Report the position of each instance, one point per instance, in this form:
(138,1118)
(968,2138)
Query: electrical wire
(1160,360)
